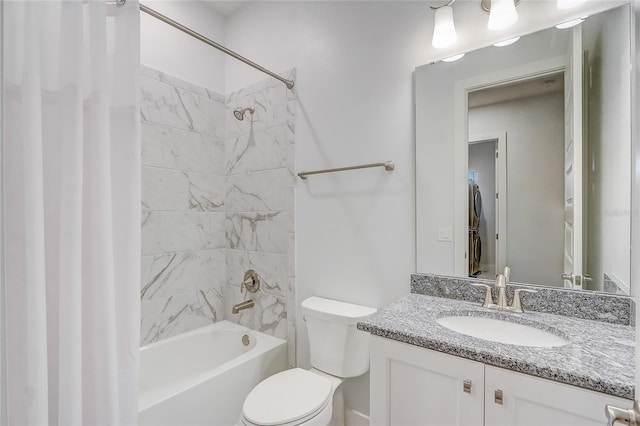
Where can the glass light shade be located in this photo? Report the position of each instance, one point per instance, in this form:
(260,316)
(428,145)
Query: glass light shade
(453,58)
(507,42)
(570,24)
(444,31)
(503,14)
(568,4)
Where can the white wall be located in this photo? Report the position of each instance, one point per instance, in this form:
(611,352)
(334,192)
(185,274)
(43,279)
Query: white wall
(606,39)
(165,48)
(355,231)
(535,182)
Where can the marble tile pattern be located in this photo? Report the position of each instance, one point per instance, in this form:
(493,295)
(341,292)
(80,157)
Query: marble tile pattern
(259,205)
(217,199)
(599,355)
(183,206)
(605,307)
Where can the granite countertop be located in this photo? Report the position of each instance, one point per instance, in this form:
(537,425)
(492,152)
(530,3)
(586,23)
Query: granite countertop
(599,355)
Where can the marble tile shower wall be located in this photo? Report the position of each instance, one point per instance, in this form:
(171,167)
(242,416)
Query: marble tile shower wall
(259,223)
(183,209)
(217,199)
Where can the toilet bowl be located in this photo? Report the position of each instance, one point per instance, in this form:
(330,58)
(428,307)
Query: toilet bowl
(314,397)
(295,397)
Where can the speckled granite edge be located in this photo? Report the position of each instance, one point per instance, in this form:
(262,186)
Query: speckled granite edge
(591,305)
(599,355)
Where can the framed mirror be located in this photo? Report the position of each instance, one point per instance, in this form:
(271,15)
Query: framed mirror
(523,158)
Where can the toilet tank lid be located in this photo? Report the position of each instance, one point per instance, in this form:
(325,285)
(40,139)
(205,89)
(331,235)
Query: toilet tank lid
(335,311)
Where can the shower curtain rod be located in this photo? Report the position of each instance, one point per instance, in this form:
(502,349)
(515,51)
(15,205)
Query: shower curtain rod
(167,20)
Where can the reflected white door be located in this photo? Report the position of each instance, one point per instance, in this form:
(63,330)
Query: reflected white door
(573,256)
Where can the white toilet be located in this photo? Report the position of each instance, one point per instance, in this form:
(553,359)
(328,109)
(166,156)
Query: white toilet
(312,397)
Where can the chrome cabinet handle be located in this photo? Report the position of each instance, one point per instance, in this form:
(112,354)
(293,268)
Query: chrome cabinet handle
(466,386)
(498,397)
(629,416)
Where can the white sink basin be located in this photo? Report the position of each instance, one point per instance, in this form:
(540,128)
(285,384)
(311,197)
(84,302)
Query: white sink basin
(501,331)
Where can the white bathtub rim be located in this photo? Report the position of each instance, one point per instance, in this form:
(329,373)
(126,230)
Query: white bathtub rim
(263,343)
(224,324)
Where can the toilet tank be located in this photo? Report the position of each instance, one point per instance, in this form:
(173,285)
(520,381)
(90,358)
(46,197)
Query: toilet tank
(335,345)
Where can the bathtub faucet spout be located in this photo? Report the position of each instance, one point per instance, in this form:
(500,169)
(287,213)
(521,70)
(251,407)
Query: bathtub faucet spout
(247,304)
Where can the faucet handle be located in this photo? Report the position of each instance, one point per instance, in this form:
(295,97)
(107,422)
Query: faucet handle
(507,273)
(501,281)
(488,298)
(516,304)
(251,281)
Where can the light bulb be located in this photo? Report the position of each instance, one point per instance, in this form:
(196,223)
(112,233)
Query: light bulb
(444,31)
(503,14)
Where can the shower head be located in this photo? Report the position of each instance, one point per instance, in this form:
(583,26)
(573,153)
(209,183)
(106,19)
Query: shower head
(239,113)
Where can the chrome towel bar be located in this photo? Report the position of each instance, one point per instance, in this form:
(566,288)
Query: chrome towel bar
(388,165)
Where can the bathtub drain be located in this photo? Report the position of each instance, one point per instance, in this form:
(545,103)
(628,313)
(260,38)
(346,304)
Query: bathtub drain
(245,340)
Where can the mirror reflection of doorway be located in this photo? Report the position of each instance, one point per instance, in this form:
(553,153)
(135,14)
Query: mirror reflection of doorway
(482,217)
(531,112)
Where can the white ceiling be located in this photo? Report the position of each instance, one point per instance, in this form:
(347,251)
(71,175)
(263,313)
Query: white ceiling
(225,8)
(522,89)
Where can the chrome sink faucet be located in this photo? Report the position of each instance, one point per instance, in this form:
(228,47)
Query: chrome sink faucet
(501,302)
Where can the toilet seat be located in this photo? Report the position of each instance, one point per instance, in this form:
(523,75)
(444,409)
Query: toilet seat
(287,398)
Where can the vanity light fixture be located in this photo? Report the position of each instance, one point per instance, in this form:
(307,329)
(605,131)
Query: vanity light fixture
(453,58)
(568,4)
(571,23)
(506,42)
(502,14)
(444,30)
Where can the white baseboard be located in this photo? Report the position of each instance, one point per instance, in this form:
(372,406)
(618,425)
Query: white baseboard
(355,418)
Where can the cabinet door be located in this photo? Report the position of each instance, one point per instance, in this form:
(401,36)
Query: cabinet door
(417,386)
(528,400)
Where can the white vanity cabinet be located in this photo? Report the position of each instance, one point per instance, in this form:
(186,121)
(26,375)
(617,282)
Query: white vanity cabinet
(528,400)
(416,386)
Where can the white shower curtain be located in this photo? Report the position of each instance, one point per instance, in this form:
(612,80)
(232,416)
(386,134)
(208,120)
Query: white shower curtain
(71,155)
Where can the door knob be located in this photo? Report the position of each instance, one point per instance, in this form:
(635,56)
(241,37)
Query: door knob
(629,416)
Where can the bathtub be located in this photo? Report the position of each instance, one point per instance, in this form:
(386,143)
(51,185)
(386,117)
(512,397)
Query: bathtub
(202,377)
